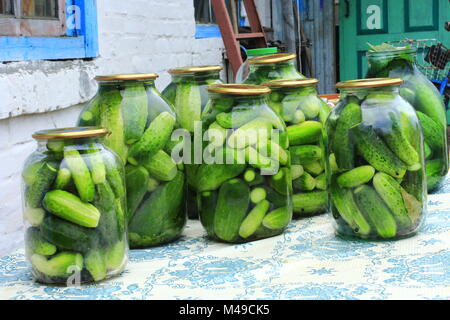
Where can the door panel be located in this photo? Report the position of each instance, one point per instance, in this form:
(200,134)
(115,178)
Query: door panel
(376,21)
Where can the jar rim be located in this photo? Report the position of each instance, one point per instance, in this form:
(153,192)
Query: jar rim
(369,83)
(239,89)
(396,51)
(127,77)
(195,69)
(293,83)
(70,133)
(272,58)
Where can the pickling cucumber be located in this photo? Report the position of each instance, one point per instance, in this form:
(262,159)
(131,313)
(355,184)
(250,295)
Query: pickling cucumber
(307,132)
(257,130)
(376,153)
(63,264)
(137,179)
(211,176)
(80,174)
(236,118)
(282,181)
(311,202)
(376,211)
(277,219)
(306,153)
(108,223)
(305,183)
(188,105)
(356,177)
(231,208)
(134,112)
(313,167)
(254,219)
(96,165)
(161,166)
(44,174)
(95,263)
(208,200)
(63,179)
(433,134)
(35,243)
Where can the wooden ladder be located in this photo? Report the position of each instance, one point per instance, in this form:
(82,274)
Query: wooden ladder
(231,38)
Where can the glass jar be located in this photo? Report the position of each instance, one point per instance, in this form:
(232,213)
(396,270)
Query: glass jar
(244,69)
(74,208)
(187,92)
(376,161)
(426,100)
(272,67)
(141,124)
(298,104)
(244,183)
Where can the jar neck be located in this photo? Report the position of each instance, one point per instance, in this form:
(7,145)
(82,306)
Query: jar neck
(394,90)
(409,55)
(196,76)
(272,65)
(80,143)
(239,100)
(114,85)
(303,90)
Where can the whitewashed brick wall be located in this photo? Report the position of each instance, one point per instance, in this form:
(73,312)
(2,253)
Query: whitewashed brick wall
(134,36)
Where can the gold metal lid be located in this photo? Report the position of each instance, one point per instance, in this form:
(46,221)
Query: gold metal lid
(369,83)
(290,83)
(125,77)
(70,133)
(195,69)
(239,89)
(272,58)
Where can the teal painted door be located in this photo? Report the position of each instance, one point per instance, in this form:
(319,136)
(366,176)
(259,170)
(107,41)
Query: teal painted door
(376,21)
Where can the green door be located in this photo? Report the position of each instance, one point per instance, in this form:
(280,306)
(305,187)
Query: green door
(376,21)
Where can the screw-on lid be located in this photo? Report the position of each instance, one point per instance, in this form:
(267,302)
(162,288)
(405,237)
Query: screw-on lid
(70,133)
(127,77)
(261,51)
(369,83)
(238,89)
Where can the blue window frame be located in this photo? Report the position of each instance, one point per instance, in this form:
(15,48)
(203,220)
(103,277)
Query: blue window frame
(81,40)
(207,31)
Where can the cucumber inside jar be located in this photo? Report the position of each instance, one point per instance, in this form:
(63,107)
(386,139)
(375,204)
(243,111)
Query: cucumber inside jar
(189,96)
(376,161)
(141,122)
(70,209)
(272,67)
(298,104)
(245,194)
(390,61)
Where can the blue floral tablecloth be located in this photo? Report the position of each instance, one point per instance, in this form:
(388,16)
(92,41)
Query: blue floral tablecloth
(307,262)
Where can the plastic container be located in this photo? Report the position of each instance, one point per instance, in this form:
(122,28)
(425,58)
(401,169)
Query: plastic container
(244,185)
(244,69)
(74,208)
(376,162)
(425,98)
(187,92)
(142,122)
(297,103)
(272,67)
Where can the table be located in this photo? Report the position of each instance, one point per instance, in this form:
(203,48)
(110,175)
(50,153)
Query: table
(307,262)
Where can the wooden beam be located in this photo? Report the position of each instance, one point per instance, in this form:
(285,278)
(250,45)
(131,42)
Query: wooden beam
(255,22)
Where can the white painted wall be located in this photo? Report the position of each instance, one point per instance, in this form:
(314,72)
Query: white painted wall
(134,36)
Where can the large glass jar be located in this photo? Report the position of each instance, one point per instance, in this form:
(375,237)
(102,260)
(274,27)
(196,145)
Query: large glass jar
(141,124)
(425,98)
(244,183)
(272,67)
(244,69)
(298,104)
(187,92)
(74,208)
(376,161)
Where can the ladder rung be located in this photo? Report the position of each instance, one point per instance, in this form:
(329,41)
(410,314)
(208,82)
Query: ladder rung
(255,35)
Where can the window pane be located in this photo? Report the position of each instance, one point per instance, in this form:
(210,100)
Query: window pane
(202,11)
(40,8)
(6,7)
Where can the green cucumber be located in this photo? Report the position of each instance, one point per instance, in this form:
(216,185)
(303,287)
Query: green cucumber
(435,170)
(96,164)
(321,182)
(111,118)
(236,118)
(188,105)
(356,177)
(311,202)
(108,223)
(231,208)
(314,167)
(281,182)
(137,179)
(305,183)
(114,174)
(63,264)
(345,204)
(216,134)
(95,263)
(134,112)
(311,106)
(35,243)
(208,200)
(296,171)
(277,219)
(343,146)
(45,173)
(257,195)
(166,202)
(34,216)
(63,179)
(69,207)
(249,175)
(154,138)
(69,236)
(115,255)
(427,151)
(254,131)
(390,191)
(306,153)
(333,164)
(376,211)
(211,176)
(307,132)
(254,219)
(80,174)
(90,115)
(433,134)
(376,153)
(274,151)
(161,166)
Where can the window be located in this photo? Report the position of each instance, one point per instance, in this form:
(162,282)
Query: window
(206,23)
(47,29)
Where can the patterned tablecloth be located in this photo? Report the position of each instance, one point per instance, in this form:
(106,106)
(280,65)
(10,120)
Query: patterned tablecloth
(307,262)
